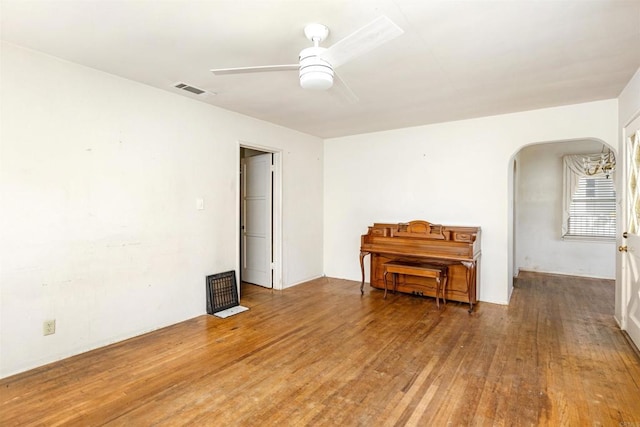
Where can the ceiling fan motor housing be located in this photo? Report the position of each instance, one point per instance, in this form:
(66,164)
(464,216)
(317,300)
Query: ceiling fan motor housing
(315,72)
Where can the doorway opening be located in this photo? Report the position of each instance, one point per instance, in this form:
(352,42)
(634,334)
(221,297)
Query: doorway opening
(259,219)
(537,215)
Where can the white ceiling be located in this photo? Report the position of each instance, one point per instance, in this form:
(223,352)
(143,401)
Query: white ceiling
(456,60)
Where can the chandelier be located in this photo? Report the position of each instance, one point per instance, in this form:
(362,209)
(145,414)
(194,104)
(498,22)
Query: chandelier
(605,163)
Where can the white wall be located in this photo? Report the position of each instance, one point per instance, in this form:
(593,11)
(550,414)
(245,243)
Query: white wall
(99,227)
(628,110)
(456,173)
(540,246)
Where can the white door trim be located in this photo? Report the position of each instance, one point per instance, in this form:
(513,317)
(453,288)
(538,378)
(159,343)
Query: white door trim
(277,209)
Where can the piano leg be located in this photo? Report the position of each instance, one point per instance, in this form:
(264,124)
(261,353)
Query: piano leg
(362,255)
(385,282)
(444,287)
(471,275)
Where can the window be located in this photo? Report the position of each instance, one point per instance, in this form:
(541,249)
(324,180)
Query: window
(592,212)
(589,202)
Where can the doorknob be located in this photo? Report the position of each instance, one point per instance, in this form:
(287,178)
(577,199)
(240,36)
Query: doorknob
(622,249)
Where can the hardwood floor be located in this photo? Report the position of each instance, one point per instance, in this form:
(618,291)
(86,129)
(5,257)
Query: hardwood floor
(320,354)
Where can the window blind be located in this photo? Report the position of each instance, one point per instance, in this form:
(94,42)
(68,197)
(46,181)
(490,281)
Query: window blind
(593,208)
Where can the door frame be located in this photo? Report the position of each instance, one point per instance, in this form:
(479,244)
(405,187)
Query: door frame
(277,209)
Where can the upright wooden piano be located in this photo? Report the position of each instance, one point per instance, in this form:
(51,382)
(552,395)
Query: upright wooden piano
(420,241)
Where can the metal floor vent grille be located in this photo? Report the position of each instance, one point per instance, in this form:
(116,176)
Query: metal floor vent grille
(222,291)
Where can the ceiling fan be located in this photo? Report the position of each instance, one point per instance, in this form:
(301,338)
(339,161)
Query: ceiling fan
(316,64)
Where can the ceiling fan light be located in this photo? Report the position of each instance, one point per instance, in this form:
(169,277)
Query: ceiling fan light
(315,72)
(316,80)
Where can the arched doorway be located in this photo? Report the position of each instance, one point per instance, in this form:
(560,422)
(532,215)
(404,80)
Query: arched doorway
(536,216)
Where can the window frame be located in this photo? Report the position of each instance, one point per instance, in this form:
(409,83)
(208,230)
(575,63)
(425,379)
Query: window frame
(573,176)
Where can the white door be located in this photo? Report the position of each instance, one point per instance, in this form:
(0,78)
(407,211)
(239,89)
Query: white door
(630,289)
(256,219)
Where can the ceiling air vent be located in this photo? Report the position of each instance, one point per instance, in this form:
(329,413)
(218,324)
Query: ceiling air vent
(188,88)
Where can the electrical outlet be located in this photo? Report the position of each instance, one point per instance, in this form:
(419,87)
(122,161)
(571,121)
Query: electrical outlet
(49,327)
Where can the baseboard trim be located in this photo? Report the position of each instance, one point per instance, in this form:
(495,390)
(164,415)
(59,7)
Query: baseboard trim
(631,343)
(303,281)
(565,274)
(618,322)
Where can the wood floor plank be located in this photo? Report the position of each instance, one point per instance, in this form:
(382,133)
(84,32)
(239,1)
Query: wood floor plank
(321,354)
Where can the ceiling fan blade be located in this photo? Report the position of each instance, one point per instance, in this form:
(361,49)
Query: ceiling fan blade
(343,91)
(367,38)
(259,69)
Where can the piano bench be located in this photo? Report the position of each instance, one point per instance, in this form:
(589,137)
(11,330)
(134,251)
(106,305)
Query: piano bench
(430,271)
